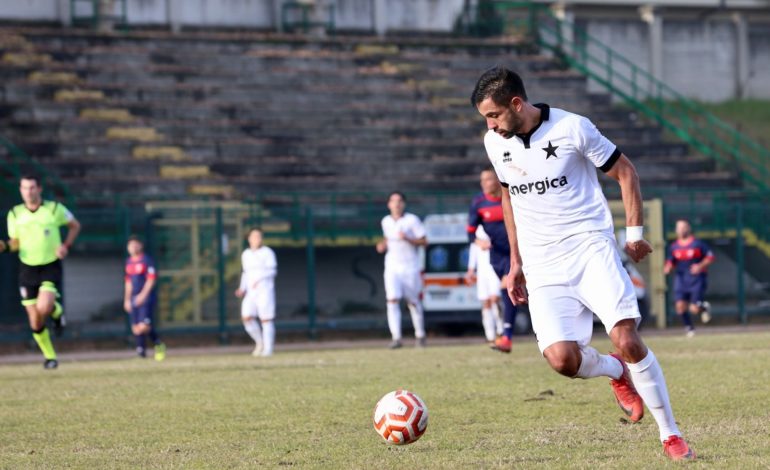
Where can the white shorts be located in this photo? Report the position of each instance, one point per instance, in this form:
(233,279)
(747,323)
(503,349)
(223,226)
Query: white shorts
(564,296)
(403,283)
(487,283)
(259,303)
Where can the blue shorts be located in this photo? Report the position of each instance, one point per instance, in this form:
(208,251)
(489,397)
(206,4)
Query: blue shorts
(690,290)
(143,313)
(501,265)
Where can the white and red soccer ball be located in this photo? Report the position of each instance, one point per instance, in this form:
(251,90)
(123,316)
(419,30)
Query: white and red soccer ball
(400,417)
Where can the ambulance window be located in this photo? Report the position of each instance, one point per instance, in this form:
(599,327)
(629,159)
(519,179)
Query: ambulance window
(447,257)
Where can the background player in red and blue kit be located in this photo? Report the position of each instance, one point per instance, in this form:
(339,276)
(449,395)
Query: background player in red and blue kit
(689,259)
(487,210)
(140,299)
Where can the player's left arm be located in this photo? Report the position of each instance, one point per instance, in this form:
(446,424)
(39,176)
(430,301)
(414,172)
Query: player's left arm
(515,283)
(701,266)
(419,237)
(422,241)
(624,172)
(73,230)
(149,285)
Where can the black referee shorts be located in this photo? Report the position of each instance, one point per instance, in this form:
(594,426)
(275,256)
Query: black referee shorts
(33,279)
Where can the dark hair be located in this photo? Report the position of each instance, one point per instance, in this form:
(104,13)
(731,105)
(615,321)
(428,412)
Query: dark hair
(490,169)
(500,84)
(31,177)
(254,229)
(393,193)
(135,238)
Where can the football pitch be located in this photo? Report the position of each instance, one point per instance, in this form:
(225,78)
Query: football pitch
(312,409)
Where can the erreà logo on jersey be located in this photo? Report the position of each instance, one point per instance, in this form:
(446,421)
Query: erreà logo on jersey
(539,187)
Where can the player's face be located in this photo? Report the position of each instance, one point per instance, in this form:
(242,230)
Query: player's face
(134,247)
(489,183)
(683,229)
(30,191)
(396,205)
(505,120)
(255,239)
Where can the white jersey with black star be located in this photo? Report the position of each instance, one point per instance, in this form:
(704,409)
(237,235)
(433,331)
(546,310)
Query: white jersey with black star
(401,254)
(550,174)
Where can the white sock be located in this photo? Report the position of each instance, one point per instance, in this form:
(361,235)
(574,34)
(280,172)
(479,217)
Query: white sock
(488,322)
(253,329)
(498,318)
(594,364)
(418,320)
(394,320)
(651,384)
(268,335)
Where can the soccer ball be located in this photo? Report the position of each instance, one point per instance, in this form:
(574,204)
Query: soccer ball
(400,417)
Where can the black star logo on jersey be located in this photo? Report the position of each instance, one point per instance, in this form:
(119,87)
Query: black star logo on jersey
(550,151)
(506,157)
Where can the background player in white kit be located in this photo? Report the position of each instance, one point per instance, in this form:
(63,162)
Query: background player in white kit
(403,234)
(481,272)
(258,292)
(561,236)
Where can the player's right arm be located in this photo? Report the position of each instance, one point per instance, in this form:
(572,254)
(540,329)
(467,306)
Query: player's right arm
(382,245)
(670,262)
(470,277)
(473,222)
(515,283)
(241,290)
(13,243)
(127,295)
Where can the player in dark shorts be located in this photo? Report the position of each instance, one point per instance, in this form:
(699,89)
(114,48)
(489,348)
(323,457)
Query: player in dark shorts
(689,258)
(34,231)
(140,298)
(487,210)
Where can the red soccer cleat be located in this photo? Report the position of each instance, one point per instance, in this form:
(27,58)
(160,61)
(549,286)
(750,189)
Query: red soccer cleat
(503,344)
(626,395)
(676,448)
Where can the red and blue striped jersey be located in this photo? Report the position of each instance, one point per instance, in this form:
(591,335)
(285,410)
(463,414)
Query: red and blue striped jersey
(487,211)
(685,253)
(138,271)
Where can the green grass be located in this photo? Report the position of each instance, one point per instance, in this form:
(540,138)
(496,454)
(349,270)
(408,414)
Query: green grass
(313,410)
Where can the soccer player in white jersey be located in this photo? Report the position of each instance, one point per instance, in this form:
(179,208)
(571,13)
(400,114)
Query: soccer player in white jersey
(403,234)
(563,256)
(481,272)
(257,290)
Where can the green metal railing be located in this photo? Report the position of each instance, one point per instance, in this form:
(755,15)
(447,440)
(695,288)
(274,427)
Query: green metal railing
(681,116)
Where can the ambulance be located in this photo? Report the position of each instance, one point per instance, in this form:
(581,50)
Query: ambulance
(446,296)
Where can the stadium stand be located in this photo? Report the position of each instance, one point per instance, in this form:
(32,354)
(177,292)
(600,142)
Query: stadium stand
(226,114)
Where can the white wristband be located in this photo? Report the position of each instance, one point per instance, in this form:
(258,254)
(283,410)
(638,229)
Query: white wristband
(634,234)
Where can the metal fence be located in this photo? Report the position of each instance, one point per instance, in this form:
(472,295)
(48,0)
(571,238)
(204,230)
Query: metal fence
(329,274)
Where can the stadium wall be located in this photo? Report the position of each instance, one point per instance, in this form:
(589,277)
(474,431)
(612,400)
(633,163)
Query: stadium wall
(703,59)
